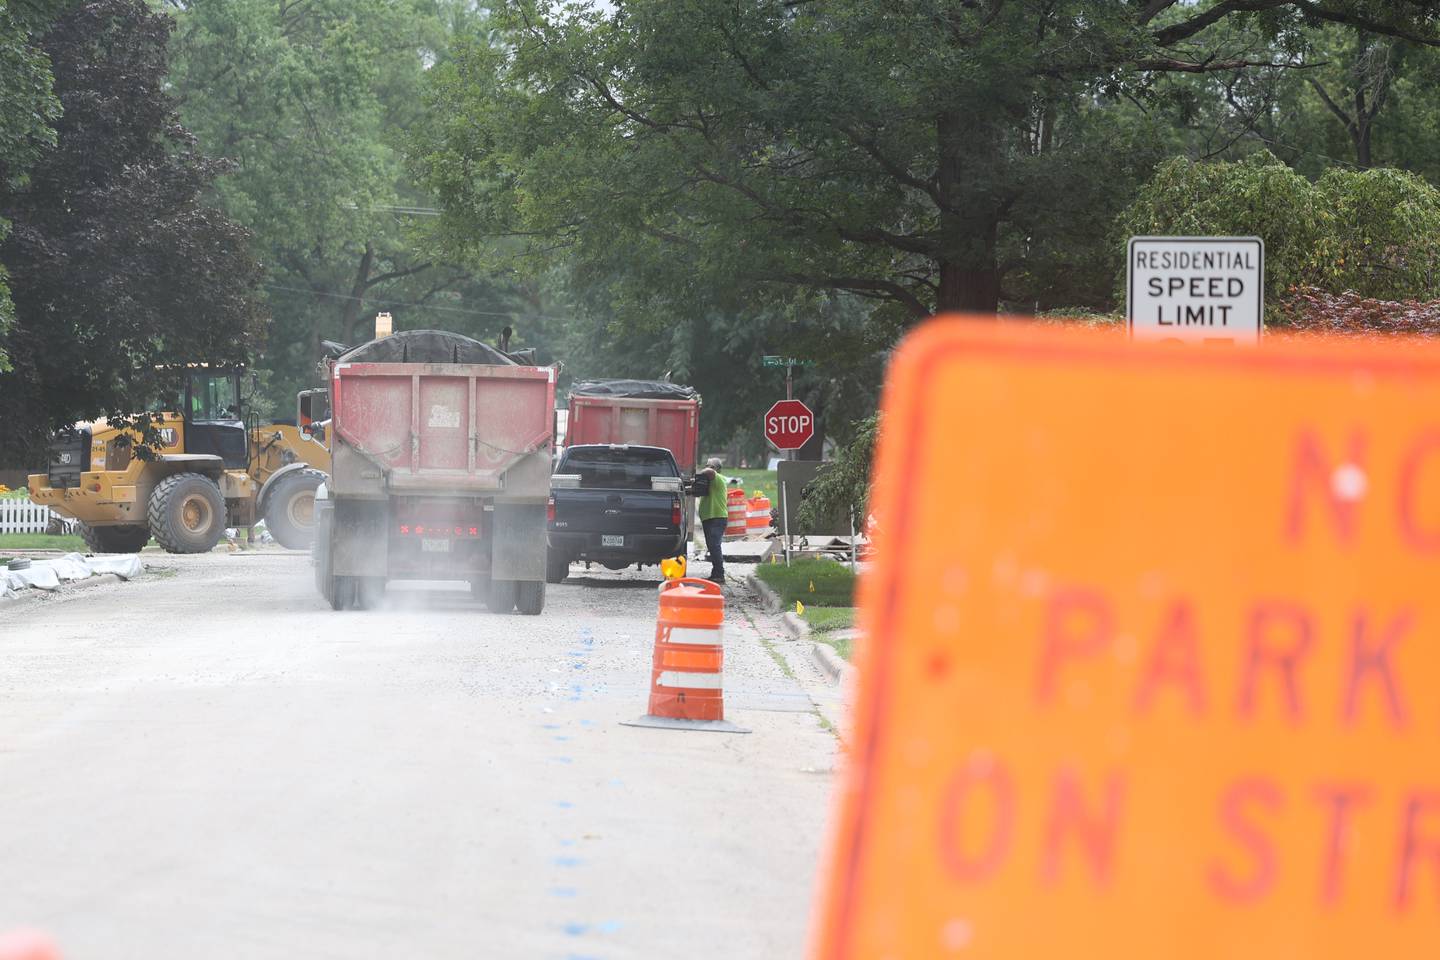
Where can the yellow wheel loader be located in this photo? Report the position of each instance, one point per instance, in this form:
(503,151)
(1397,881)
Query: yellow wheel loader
(210,470)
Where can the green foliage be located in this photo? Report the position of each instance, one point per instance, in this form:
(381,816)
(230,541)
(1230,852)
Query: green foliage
(313,104)
(28,107)
(822,583)
(1376,232)
(117,266)
(1382,234)
(1258,196)
(843,485)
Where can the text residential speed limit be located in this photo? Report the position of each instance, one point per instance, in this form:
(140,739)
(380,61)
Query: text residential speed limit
(1196,289)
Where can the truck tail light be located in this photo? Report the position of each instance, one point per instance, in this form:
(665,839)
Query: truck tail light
(675,517)
(550,510)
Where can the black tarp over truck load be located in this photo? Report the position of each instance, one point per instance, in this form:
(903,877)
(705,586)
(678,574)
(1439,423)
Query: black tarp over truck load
(441,454)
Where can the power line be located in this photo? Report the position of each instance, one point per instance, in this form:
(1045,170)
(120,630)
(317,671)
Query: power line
(408,303)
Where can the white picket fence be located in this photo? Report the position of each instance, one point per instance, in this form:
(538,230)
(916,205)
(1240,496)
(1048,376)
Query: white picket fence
(22,516)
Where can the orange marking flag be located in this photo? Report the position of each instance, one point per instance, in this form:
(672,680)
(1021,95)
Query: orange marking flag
(1154,667)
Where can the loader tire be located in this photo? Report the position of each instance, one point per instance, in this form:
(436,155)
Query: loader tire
(501,596)
(127,538)
(187,513)
(290,509)
(530,597)
(557,567)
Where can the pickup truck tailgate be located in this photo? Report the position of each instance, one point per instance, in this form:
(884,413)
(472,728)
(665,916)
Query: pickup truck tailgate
(615,511)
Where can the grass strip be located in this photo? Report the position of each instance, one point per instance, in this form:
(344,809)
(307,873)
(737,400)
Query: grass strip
(41,541)
(819,583)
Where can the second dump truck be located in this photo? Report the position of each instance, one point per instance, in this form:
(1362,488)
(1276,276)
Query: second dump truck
(440,469)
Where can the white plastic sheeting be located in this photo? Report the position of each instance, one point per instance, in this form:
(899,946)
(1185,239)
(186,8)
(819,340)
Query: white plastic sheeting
(49,574)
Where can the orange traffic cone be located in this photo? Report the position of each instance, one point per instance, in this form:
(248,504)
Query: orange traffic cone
(687,671)
(27,945)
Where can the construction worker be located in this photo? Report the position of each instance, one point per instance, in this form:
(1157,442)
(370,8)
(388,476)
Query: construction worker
(714,515)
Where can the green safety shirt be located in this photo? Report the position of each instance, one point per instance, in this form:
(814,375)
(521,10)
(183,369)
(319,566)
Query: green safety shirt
(713,505)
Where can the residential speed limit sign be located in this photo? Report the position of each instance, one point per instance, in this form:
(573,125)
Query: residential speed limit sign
(1196,289)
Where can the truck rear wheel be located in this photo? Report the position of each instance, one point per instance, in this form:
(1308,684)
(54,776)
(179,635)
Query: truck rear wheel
(557,567)
(187,513)
(126,538)
(501,596)
(530,597)
(290,508)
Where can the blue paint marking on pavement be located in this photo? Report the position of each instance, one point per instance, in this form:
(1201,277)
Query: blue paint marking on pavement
(616,782)
(564,804)
(578,666)
(587,723)
(563,759)
(552,726)
(575,929)
(567,843)
(567,861)
(607,926)
(565,892)
(559,739)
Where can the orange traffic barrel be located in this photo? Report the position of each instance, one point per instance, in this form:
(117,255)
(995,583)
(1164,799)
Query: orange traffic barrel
(757,517)
(687,669)
(737,515)
(27,945)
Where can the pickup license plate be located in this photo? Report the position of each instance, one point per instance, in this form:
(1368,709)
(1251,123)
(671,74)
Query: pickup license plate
(612,540)
(434,546)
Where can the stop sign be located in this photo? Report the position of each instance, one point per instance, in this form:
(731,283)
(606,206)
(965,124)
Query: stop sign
(789,425)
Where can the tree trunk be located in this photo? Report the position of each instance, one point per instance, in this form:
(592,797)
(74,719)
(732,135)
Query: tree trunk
(350,312)
(969,221)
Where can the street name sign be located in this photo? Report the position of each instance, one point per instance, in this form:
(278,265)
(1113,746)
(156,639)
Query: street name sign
(789,425)
(1150,665)
(770,360)
(1196,289)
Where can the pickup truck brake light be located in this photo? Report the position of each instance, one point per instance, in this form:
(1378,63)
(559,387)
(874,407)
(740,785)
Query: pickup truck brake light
(675,518)
(550,509)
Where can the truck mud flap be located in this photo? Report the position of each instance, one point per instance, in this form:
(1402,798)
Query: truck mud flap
(517,550)
(359,538)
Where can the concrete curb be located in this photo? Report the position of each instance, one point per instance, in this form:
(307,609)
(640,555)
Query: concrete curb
(831,662)
(767,596)
(796,626)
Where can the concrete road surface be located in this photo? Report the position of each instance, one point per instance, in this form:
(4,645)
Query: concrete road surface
(210,764)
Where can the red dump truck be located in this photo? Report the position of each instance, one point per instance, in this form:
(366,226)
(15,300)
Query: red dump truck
(651,413)
(441,450)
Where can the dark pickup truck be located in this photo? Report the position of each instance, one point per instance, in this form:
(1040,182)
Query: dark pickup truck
(614,504)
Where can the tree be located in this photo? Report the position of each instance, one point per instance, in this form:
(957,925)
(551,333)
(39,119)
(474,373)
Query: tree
(919,154)
(27,109)
(118,268)
(1375,232)
(312,102)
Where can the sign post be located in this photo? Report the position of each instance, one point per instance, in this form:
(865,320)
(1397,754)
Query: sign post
(1150,666)
(1196,289)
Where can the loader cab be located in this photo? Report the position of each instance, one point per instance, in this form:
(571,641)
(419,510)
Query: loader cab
(312,413)
(214,419)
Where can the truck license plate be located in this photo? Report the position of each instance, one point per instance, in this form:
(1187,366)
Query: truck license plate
(434,546)
(612,540)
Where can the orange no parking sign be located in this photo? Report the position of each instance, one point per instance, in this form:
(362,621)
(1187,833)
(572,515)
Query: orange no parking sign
(1155,656)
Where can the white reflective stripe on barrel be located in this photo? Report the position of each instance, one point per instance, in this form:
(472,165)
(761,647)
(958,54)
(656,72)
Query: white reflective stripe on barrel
(703,636)
(693,681)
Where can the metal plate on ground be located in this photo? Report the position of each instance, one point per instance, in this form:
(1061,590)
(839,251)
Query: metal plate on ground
(667,723)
